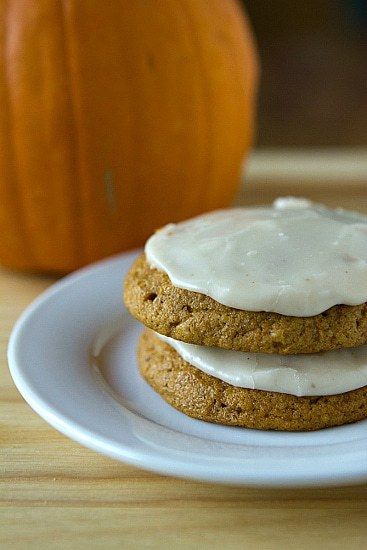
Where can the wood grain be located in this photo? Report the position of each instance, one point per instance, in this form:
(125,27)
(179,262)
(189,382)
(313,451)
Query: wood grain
(56,494)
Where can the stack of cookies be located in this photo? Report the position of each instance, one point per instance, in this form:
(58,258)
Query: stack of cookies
(257,317)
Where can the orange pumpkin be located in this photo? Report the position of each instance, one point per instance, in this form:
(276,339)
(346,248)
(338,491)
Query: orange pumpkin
(116,118)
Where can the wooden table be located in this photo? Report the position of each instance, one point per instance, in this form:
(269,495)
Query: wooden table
(56,494)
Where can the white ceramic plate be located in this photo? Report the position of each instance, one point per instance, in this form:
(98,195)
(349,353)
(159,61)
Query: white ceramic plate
(72,357)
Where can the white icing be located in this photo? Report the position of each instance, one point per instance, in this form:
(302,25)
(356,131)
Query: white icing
(291,202)
(296,258)
(328,373)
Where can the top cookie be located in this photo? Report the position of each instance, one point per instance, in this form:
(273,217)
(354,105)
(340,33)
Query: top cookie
(198,319)
(266,279)
(294,258)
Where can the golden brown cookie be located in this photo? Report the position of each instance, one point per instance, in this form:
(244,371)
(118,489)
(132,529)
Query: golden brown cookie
(198,319)
(202,396)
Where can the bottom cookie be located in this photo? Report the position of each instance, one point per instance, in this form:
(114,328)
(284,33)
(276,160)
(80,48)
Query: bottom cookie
(204,397)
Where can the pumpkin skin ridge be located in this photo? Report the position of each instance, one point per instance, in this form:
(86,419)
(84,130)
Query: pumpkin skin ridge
(74,15)
(17,251)
(205,94)
(239,16)
(41,145)
(189,201)
(78,243)
(63,220)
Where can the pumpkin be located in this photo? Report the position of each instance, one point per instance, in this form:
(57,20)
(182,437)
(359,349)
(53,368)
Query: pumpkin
(116,118)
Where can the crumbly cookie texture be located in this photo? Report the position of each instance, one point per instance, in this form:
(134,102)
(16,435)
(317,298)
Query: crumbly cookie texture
(198,319)
(207,398)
